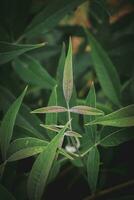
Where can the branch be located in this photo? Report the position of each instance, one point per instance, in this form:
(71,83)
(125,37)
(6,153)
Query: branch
(109,190)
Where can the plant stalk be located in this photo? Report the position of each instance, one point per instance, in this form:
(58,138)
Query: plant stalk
(109,190)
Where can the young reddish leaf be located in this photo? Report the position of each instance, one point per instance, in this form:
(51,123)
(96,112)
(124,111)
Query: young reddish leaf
(72,134)
(50,109)
(86,110)
(68,75)
(50,127)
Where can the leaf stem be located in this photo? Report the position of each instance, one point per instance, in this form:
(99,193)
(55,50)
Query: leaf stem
(109,190)
(72,139)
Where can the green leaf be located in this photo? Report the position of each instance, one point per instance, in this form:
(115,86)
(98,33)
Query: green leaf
(50,16)
(8,124)
(41,169)
(30,71)
(54,171)
(50,109)
(105,70)
(113,137)
(25,147)
(86,110)
(68,75)
(93,163)
(9,51)
(51,118)
(91,101)
(123,117)
(24,118)
(60,68)
(5,194)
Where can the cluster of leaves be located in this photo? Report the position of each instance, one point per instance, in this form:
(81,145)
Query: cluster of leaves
(64,136)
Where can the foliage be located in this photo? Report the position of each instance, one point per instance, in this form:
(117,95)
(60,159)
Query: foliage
(79,104)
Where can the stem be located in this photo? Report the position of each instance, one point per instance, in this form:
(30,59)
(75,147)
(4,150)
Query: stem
(72,139)
(109,190)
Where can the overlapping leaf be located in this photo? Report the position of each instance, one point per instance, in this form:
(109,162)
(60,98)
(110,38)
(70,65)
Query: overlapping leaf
(91,101)
(32,72)
(93,163)
(105,70)
(50,16)
(8,124)
(25,147)
(9,51)
(24,119)
(41,169)
(51,118)
(111,136)
(123,117)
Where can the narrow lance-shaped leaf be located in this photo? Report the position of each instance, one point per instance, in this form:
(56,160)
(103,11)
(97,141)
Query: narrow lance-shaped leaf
(8,124)
(50,16)
(28,146)
(105,70)
(25,147)
(51,118)
(50,109)
(41,169)
(31,71)
(51,128)
(123,117)
(68,75)
(111,136)
(24,119)
(93,163)
(9,51)
(91,101)
(86,110)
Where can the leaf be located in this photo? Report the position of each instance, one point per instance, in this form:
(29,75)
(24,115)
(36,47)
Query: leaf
(123,117)
(61,100)
(9,51)
(50,109)
(50,16)
(25,147)
(105,70)
(51,118)
(8,124)
(113,137)
(93,163)
(61,64)
(5,194)
(54,171)
(24,118)
(72,134)
(51,128)
(91,101)
(41,169)
(86,110)
(68,75)
(30,71)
